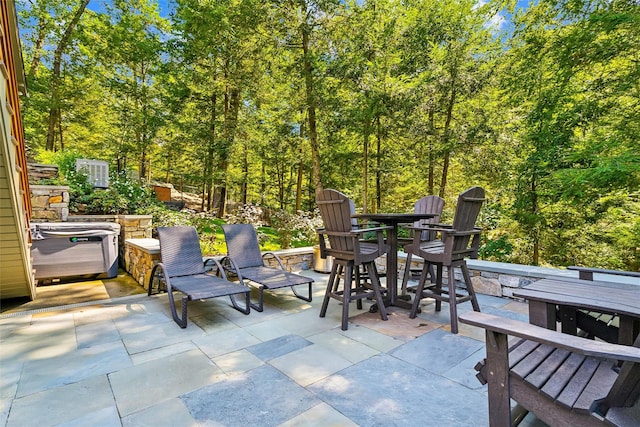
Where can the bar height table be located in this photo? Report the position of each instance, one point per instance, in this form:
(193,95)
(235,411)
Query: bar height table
(393,220)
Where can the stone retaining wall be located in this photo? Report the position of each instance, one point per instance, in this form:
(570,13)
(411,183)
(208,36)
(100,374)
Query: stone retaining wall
(501,279)
(293,259)
(50,203)
(489,278)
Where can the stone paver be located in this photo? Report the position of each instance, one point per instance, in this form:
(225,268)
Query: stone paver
(61,404)
(47,373)
(262,396)
(144,385)
(321,415)
(387,391)
(310,364)
(127,363)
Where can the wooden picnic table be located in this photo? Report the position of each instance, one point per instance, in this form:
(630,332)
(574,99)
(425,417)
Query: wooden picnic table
(550,299)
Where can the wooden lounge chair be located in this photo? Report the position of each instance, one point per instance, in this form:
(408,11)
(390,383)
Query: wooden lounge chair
(458,241)
(352,256)
(245,261)
(563,379)
(182,269)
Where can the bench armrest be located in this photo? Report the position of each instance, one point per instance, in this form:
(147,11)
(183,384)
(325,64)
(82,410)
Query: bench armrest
(531,332)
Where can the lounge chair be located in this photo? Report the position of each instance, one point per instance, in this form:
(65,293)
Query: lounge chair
(245,261)
(182,269)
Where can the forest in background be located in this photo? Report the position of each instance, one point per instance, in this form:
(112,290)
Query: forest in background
(266,101)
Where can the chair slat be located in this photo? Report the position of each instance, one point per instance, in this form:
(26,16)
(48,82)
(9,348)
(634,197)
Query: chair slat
(542,373)
(522,351)
(574,387)
(556,384)
(598,387)
(532,361)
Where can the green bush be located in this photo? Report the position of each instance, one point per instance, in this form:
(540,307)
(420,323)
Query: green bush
(125,195)
(298,229)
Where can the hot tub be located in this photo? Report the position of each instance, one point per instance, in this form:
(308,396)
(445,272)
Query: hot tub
(63,249)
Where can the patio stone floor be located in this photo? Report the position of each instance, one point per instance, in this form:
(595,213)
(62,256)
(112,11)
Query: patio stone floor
(126,363)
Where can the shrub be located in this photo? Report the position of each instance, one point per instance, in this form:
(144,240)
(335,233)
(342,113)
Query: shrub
(298,229)
(249,214)
(125,195)
(246,214)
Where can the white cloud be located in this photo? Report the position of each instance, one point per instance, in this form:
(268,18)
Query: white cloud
(497,22)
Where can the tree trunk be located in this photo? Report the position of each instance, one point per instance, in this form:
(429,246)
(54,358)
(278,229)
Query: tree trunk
(376,208)
(263,184)
(54,112)
(208,167)
(365,164)
(430,179)
(300,171)
(232,107)
(60,130)
(245,173)
(311,108)
(446,134)
(37,47)
(536,228)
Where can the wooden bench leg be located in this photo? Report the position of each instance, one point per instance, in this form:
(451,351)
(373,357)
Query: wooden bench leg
(498,378)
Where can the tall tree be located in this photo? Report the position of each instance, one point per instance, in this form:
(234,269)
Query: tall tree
(54,111)
(449,52)
(563,56)
(132,61)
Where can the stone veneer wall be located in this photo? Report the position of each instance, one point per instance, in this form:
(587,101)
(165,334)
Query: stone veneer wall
(501,279)
(50,203)
(141,255)
(298,259)
(489,278)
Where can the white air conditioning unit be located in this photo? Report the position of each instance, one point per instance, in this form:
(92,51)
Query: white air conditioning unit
(97,171)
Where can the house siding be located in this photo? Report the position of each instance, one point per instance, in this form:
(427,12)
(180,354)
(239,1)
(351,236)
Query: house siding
(16,274)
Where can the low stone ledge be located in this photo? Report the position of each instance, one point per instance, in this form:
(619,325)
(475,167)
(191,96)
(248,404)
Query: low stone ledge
(295,259)
(502,279)
(140,256)
(150,246)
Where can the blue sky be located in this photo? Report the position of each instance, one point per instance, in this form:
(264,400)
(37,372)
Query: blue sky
(499,21)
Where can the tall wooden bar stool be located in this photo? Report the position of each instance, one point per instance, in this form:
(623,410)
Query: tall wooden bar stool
(457,242)
(353,257)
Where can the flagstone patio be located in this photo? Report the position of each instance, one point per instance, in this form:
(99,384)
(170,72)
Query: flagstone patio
(125,362)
